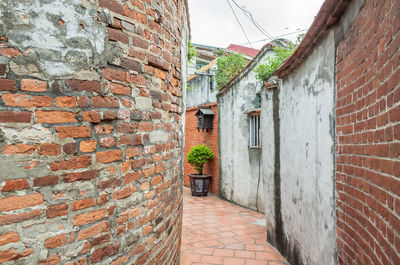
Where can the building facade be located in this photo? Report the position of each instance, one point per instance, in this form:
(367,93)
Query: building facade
(329,135)
(91,131)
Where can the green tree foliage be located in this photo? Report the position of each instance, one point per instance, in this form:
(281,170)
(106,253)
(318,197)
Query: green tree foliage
(191,51)
(199,155)
(265,70)
(228,67)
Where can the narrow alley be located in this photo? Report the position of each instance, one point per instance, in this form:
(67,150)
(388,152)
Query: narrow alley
(218,232)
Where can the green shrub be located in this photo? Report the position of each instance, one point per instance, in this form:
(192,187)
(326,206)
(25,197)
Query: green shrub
(199,155)
(228,67)
(265,70)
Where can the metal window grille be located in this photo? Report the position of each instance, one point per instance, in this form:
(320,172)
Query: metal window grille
(255,140)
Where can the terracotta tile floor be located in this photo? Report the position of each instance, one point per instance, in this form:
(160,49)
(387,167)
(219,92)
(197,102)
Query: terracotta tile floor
(218,232)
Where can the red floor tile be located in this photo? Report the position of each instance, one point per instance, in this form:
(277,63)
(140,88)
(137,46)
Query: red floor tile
(218,232)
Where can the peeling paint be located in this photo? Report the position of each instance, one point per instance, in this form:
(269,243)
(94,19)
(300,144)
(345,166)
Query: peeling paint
(32,25)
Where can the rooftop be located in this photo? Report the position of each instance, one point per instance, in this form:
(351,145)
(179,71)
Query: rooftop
(242,49)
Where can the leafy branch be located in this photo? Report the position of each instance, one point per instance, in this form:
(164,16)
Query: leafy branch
(265,70)
(228,67)
(191,52)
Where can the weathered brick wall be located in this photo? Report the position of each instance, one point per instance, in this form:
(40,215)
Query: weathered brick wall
(194,137)
(368,137)
(91,131)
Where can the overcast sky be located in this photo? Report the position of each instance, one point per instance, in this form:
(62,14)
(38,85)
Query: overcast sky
(213,22)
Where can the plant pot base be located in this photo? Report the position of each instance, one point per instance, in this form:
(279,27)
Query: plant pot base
(199,184)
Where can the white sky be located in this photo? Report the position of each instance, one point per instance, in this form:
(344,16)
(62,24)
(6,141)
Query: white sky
(213,23)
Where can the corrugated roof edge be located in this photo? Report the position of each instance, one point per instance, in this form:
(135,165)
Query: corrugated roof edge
(328,15)
(252,63)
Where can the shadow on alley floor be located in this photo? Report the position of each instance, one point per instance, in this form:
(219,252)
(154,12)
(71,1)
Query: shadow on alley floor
(218,232)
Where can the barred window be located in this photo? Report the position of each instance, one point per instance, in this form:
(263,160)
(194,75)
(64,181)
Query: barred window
(255,140)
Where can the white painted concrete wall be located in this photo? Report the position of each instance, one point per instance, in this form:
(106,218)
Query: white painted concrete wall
(306,130)
(240,172)
(200,90)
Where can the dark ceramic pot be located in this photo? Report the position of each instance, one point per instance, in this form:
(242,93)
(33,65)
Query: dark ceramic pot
(199,184)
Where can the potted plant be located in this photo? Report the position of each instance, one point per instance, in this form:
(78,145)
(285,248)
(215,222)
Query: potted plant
(197,156)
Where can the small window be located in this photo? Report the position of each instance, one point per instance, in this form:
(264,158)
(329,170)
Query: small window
(255,140)
(258,101)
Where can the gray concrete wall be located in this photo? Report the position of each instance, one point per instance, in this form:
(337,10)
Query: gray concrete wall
(202,89)
(240,171)
(307,156)
(298,158)
(303,142)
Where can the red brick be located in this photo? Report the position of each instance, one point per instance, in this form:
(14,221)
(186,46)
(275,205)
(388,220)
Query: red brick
(55,116)
(83,102)
(120,89)
(20,217)
(91,116)
(45,181)
(124,140)
(54,259)
(156,180)
(121,194)
(113,5)
(9,255)
(15,184)
(49,149)
(19,202)
(137,139)
(148,171)
(132,176)
(90,217)
(8,237)
(83,204)
(73,131)
(94,230)
(146,126)
(69,148)
(117,35)
(19,149)
(109,156)
(103,129)
(88,146)
(137,80)
(84,85)
(101,240)
(112,74)
(120,260)
(80,176)
(17,117)
(131,64)
(101,253)
(66,102)
(57,210)
(33,85)
(10,52)
(27,101)
(73,163)
(109,115)
(141,18)
(105,102)
(8,85)
(133,151)
(102,199)
(128,127)
(107,142)
(55,241)
(125,166)
(3,70)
